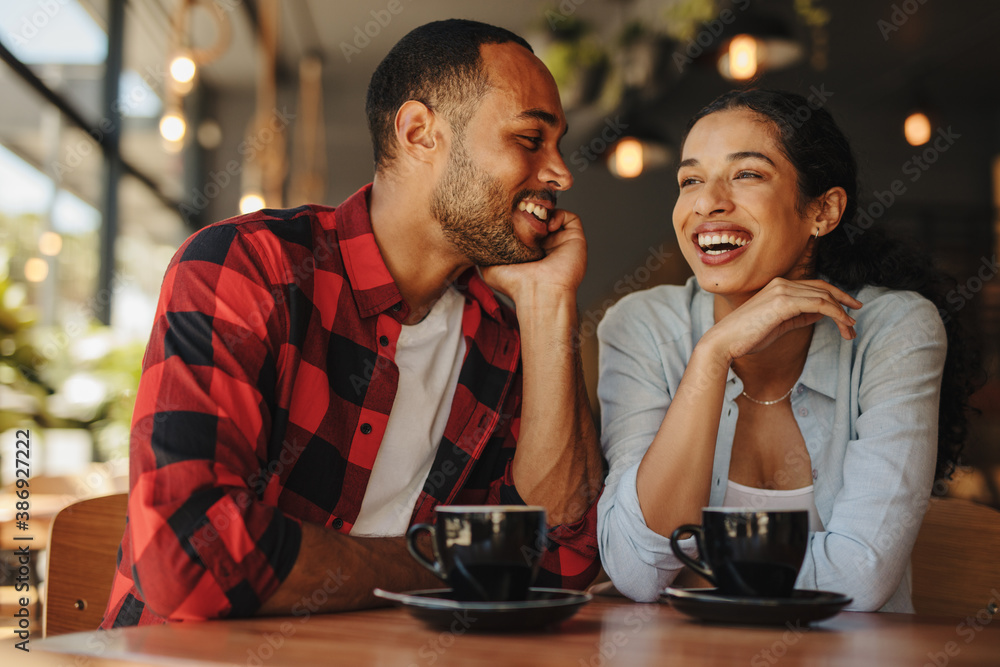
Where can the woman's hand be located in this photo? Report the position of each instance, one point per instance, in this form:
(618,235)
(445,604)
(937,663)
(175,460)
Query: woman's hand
(783,305)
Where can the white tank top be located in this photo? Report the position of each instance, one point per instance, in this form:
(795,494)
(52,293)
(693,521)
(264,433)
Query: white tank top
(738,495)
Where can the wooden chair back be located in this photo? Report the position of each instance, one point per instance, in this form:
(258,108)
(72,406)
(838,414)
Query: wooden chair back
(83,550)
(956,560)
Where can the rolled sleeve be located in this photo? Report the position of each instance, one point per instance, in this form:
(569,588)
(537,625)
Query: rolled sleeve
(572,559)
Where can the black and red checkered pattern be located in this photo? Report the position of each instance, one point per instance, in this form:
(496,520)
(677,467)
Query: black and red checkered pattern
(265,393)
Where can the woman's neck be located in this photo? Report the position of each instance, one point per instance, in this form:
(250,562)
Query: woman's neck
(770,372)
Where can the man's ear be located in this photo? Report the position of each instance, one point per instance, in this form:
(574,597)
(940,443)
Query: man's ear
(417,130)
(827,209)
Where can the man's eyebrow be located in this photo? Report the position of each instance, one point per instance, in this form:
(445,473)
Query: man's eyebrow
(732,157)
(546,117)
(539,114)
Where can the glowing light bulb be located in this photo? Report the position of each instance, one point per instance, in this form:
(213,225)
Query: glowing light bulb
(50,243)
(250,202)
(917,129)
(183,69)
(627,161)
(36,270)
(742,57)
(173,126)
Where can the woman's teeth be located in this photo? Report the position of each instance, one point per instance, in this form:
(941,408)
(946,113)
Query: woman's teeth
(716,244)
(536,210)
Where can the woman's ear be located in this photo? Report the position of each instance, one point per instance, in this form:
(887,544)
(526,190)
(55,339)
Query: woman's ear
(827,209)
(416,131)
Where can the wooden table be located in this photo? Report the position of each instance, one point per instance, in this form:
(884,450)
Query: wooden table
(608,631)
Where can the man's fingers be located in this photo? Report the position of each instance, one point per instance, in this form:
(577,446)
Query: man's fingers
(562,218)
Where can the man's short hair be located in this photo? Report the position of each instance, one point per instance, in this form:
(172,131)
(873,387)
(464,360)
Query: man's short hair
(437,64)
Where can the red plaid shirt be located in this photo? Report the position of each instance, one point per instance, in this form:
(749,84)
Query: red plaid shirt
(265,393)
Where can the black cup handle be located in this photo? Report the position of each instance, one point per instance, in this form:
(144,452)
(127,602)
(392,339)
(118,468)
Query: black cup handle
(699,566)
(411,544)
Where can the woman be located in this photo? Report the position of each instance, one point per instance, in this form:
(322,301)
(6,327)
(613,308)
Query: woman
(801,366)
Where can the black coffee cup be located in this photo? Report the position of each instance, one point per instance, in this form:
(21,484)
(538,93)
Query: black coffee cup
(746,552)
(485,552)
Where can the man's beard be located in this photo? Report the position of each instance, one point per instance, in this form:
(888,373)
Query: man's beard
(476,217)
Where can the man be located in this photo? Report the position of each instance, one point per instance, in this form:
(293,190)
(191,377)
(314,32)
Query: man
(319,379)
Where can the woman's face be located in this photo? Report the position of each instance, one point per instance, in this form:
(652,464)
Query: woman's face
(736,218)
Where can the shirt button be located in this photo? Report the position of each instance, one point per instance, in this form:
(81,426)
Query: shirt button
(815,474)
(366,428)
(396,307)
(801,389)
(338,523)
(383,341)
(803,412)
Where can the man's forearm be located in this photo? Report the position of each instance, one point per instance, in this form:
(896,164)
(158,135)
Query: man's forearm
(336,572)
(557,463)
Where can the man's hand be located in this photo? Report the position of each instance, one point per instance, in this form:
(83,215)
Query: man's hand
(557,463)
(561,270)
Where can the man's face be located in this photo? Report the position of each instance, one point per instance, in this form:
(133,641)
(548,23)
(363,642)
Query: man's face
(499,189)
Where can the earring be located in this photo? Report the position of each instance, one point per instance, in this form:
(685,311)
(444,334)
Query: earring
(817,233)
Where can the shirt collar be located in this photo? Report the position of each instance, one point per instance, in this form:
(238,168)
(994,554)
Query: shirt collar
(375,291)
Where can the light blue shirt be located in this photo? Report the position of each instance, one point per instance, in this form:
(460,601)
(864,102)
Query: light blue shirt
(867,409)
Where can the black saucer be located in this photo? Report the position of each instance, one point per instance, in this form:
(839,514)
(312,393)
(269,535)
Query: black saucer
(803,607)
(437,607)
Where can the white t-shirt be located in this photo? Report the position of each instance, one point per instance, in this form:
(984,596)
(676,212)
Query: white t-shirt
(429,355)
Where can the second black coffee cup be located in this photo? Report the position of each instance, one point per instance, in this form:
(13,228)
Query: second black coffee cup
(746,552)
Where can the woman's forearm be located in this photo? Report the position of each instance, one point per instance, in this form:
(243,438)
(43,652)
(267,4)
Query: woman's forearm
(674,478)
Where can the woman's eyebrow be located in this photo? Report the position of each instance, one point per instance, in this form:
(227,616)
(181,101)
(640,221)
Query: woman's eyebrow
(732,157)
(743,155)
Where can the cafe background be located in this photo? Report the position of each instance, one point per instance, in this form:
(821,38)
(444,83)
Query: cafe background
(125,127)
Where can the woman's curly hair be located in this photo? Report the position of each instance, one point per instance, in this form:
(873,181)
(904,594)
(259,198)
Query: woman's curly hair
(855,254)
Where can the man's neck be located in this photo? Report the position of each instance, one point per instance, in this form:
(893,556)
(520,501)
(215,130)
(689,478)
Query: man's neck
(419,258)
